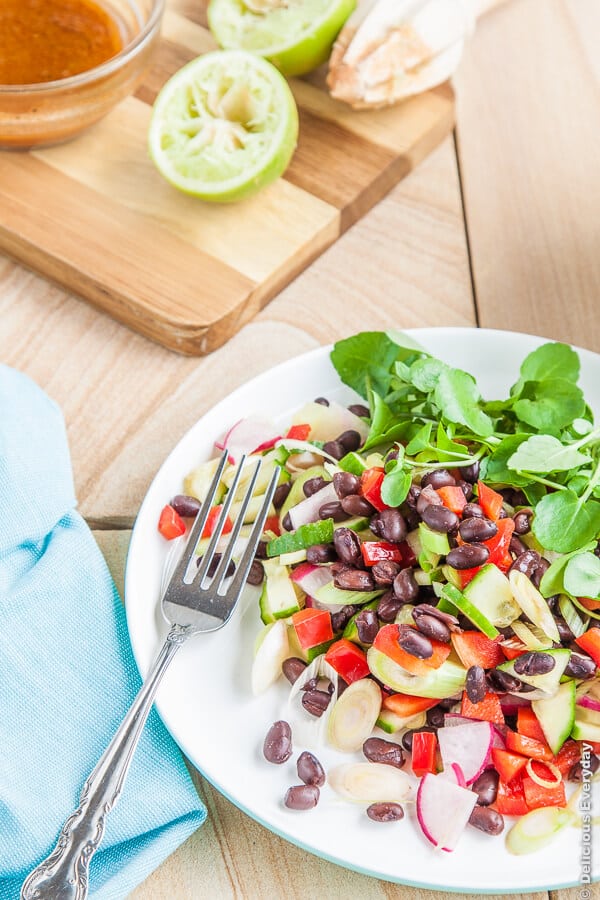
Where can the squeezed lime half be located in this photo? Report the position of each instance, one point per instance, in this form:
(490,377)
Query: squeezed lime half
(223,126)
(295,35)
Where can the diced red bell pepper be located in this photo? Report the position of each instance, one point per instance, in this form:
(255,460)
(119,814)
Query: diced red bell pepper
(387,642)
(499,544)
(513,652)
(507,764)
(467,575)
(537,796)
(527,746)
(589,641)
(528,725)
(567,756)
(453,498)
(405,705)
(375,551)
(272,524)
(313,627)
(590,603)
(475,649)
(408,555)
(370,486)
(510,799)
(213,518)
(490,501)
(298,432)
(424,746)
(170,523)
(487,710)
(348,660)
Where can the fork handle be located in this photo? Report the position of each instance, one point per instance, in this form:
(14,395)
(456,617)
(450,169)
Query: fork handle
(63,875)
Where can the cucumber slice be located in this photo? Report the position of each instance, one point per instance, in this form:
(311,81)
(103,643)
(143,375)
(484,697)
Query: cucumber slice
(434,542)
(404,615)
(353,463)
(359,523)
(446,681)
(584,730)
(292,559)
(391,722)
(490,592)
(197,482)
(548,683)
(462,603)
(320,532)
(333,596)
(307,655)
(279,597)
(556,715)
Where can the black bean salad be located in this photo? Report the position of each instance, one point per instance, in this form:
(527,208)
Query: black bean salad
(430,588)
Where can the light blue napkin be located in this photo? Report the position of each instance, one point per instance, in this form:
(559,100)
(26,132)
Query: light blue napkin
(67,675)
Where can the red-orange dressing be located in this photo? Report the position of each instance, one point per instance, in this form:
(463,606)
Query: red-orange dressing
(46,40)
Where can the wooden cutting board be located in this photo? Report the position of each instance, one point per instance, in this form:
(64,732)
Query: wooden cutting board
(95,216)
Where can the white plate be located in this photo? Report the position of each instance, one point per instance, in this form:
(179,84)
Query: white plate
(205,699)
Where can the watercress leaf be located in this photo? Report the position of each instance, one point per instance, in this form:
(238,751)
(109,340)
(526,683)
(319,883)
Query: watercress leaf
(424,373)
(402,371)
(582,426)
(562,522)
(552,360)
(458,398)
(395,486)
(544,453)
(582,576)
(553,578)
(550,405)
(447,445)
(385,428)
(533,492)
(497,470)
(407,345)
(421,440)
(367,357)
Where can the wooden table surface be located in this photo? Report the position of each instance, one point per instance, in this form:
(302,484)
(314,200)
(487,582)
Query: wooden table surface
(499,228)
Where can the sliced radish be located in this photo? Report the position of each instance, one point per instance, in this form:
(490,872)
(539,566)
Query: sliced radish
(354,715)
(443,810)
(498,739)
(510,704)
(272,647)
(468,745)
(451,719)
(248,436)
(328,422)
(369,782)
(589,702)
(308,510)
(454,774)
(310,578)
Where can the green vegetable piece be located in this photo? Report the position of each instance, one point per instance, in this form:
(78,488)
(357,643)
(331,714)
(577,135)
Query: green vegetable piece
(458,397)
(435,542)
(445,681)
(395,486)
(552,360)
(458,599)
(278,598)
(353,463)
(425,373)
(564,522)
(366,359)
(550,405)
(320,532)
(544,453)
(556,715)
(550,681)
(582,575)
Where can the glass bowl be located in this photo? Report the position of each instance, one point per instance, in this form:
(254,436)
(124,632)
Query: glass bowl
(33,115)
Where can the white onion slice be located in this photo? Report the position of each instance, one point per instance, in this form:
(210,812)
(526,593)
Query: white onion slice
(309,730)
(310,577)
(354,715)
(272,648)
(308,509)
(536,829)
(544,782)
(369,783)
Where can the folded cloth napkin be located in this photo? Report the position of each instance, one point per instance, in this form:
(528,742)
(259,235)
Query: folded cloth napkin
(67,675)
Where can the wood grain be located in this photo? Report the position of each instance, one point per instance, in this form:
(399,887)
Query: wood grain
(184,273)
(528,149)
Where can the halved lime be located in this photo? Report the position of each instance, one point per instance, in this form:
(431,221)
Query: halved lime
(295,35)
(223,126)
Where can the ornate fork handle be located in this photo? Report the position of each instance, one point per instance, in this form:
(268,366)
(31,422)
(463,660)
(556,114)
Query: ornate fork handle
(63,875)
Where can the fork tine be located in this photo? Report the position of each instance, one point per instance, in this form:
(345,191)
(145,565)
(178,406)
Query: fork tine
(199,523)
(245,562)
(220,524)
(228,552)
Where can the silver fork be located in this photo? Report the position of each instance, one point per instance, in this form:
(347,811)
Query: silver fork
(190,607)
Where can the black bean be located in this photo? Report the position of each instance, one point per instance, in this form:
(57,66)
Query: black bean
(390,525)
(435,716)
(580,666)
(476,684)
(385,812)
(539,572)
(486,787)
(341,617)
(439,518)
(320,553)
(468,556)
(311,684)
(360,410)
(432,627)
(427,497)
(286,523)
(350,440)
(378,750)
(302,796)
(345,483)
(534,663)
(477,529)
(312,485)
(310,770)
(277,747)
(322,401)
(186,506)
(293,668)
(407,737)
(470,473)
(504,681)
(412,496)
(424,609)
(214,564)
(261,550)
(315,702)
(355,505)
(406,588)
(347,545)
(437,479)
(564,631)
(385,571)
(576,771)
(367,625)
(335,449)
(466,487)
(526,563)
(522,521)
(516,546)
(354,580)
(487,820)
(256,574)
(281,494)
(332,510)
(411,641)
(472,511)
(388,607)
